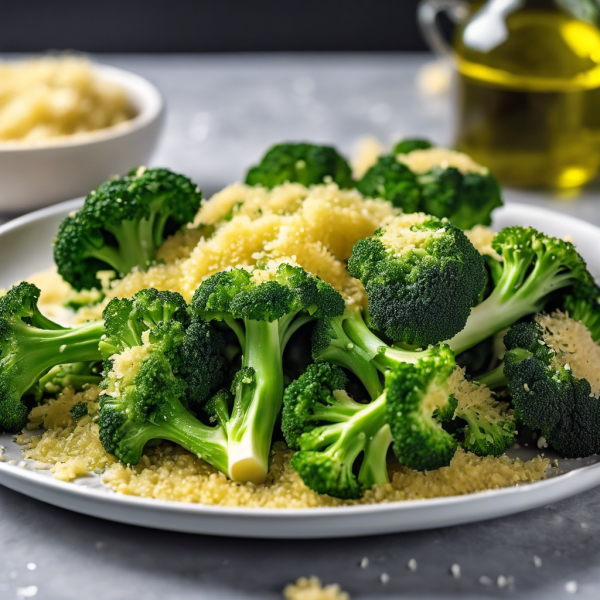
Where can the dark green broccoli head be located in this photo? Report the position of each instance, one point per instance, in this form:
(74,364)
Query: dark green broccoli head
(327,474)
(547,395)
(422,276)
(307,164)
(465,200)
(125,320)
(79,410)
(415,393)
(203,362)
(265,295)
(307,399)
(122,224)
(31,345)
(409,144)
(393,181)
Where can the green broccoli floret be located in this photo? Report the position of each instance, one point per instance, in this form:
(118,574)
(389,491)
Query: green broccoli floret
(264,307)
(307,164)
(331,432)
(549,394)
(534,266)
(393,181)
(76,375)
(583,305)
(409,144)
(420,442)
(465,199)
(76,300)
(30,345)
(149,357)
(422,276)
(79,410)
(122,224)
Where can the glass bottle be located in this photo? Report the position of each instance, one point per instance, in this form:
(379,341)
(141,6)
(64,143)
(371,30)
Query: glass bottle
(528,91)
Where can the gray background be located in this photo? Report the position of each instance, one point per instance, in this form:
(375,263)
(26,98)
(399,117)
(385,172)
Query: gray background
(223,111)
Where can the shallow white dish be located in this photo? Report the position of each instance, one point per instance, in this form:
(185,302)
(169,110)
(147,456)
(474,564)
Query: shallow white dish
(36,175)
(27,241)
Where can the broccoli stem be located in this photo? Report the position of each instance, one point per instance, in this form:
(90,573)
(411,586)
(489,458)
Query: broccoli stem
(41,349)
(494,378)
(518,293)
(374,466)
(208,443)
(257,403)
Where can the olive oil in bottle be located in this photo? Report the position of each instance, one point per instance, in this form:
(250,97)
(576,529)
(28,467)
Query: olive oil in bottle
(528,93)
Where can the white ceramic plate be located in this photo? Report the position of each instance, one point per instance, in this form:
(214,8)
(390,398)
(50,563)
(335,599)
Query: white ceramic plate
(26,243)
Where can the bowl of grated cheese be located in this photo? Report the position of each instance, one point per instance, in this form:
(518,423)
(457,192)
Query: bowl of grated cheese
(67,124)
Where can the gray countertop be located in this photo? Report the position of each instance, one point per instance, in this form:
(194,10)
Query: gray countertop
(223,111)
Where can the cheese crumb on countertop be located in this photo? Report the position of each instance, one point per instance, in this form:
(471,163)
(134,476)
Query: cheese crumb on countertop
(311,588)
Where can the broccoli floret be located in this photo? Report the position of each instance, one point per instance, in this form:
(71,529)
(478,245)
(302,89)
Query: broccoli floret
(420,389)
(548,394)
(422,276)
(122,224)
(583,305)
(151,352)
(408,145)
(79,410)
(205,366)
(393,181)
(143,401)
(302,163)
(264,307)
(30,345)
(465,199)
(331,431)
(534,266)
(77,375)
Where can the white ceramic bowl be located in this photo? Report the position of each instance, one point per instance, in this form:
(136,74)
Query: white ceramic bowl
(36,175)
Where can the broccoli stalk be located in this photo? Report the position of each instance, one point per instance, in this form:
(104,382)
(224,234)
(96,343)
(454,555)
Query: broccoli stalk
(263,308)
(331,431)
(122,224)
(77,375)
(30,345)
(533,267)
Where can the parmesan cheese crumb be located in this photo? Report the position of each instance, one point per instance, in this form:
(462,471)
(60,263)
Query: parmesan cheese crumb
(412,565)
(364,563)
(311,588)
(537,561)
(384,578)
(455,570)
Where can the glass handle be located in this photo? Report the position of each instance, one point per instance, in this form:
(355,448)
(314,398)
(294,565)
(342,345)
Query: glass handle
(427,14)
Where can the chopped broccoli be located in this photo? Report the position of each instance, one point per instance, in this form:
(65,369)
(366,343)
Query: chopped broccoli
(148,360)
(548,393)
(79,410)
(465,199)
(122,224)
(533,267)
(420,442)
(393,181)
(76,300)
(422,276)
(331,431)
(264,307)
(583,304)
(302,163)
(409,144)
(30,345)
